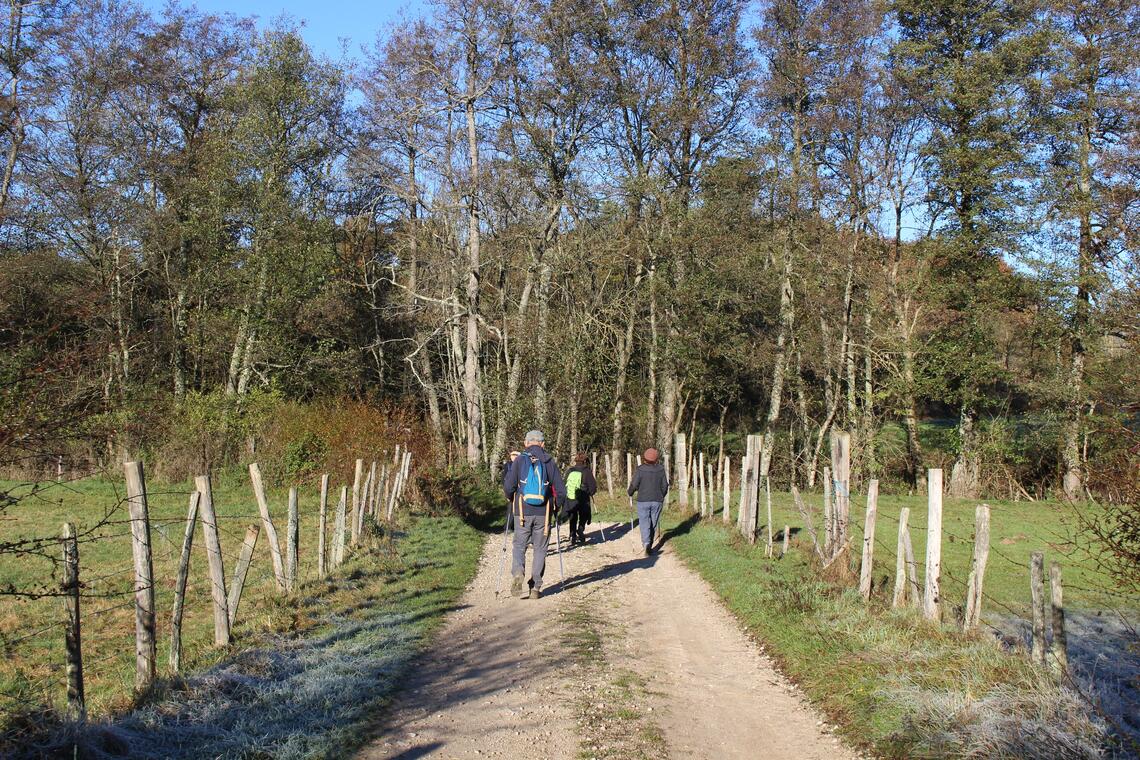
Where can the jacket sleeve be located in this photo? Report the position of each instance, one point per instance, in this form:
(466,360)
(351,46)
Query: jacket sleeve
(557,484)
(664,483)
(635,483)
(589,482)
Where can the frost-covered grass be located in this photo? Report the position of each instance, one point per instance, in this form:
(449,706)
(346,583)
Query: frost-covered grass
(310,684)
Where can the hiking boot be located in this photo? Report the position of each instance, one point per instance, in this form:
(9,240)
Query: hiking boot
(517,585)
(534,593)
(648,551)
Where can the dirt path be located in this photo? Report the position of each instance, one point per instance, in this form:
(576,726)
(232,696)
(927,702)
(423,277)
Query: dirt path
(665,669)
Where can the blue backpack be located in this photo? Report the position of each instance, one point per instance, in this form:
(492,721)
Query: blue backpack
(535,485)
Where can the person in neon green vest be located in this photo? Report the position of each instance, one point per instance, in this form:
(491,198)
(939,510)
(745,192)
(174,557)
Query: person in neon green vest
(580,488)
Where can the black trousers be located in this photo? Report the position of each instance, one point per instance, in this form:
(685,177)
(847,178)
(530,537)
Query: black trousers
(579,513)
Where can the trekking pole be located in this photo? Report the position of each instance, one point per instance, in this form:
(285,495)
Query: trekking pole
(503,558)
(558,535)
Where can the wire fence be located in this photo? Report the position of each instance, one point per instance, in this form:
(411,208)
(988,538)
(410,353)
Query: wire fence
(76,648)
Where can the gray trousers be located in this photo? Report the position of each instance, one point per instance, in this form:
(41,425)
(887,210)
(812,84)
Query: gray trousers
(530,532)
(648,519)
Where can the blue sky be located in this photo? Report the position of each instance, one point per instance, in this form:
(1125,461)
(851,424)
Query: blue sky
(326,22)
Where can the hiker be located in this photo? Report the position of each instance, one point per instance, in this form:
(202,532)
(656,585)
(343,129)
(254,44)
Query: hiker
(534,487)
(650,483)
(580,487)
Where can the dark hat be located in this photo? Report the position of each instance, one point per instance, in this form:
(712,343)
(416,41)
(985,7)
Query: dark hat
(650,456)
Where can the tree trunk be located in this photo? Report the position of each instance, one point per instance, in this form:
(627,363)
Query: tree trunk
(965,477)
(471,357)
(779,367)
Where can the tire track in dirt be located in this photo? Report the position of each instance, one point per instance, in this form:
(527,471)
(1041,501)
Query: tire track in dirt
(498,681)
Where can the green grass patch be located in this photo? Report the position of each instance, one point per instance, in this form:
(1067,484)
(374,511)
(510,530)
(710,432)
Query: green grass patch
(313,666)
(1017,529)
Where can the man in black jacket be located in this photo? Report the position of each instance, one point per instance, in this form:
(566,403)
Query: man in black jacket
(650,483)
(532,511)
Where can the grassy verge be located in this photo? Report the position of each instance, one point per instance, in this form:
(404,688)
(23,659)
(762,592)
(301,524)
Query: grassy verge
(31,631)
(893,683)
(312,668)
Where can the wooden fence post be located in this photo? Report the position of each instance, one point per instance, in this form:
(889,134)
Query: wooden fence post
(180,584)
(679,458)
(379,501)
(869,539)
(768,499)
(699,482)
(356,484)
(366,496)
(976,584)
(594,464)
(145,643)
(237,585)
(1037,595)
(629,469)
(901,580)
(339,527)
(609,474)
(270,530)
(1059,650)
(711,485)
(727,474)
(322,519)
(787,535)
(76,702)
(292,538)
(841,471)
(214,561)
(932,598)
(828,514)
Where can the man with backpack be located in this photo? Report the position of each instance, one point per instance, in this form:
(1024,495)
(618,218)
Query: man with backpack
(534,487)
(651,484)
(580,487)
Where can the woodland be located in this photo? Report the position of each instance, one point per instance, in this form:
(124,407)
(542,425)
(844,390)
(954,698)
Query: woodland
(916,221)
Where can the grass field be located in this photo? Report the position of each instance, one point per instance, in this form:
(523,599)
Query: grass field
(31,631)
(1017,528)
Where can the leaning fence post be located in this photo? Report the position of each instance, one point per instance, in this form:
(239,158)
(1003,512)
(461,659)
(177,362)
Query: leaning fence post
(339,528)
(145,646)
(238,583)
(1059,651)
(267,521)
(292,537)
(180,584)
(977,568)
(214,560)
(869,539)
(1037,595)
(901,581)
(932,598)
(76,703)
(322,518)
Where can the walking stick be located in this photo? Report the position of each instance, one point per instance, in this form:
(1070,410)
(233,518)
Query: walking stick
(561,569)
(503,558)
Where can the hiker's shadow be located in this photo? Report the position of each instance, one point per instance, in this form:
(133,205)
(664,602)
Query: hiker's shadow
(606,572)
